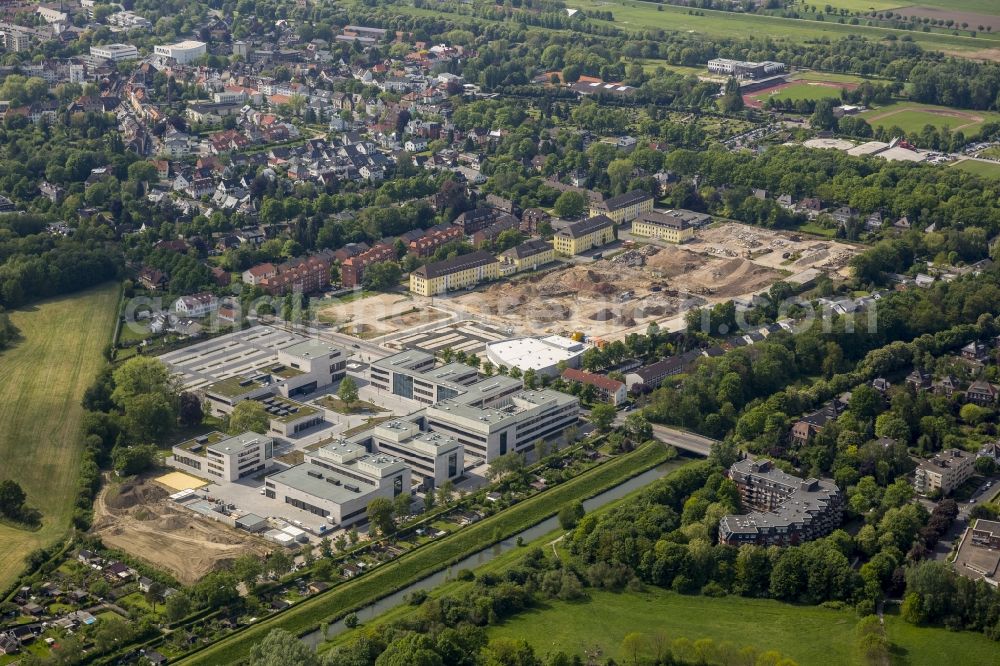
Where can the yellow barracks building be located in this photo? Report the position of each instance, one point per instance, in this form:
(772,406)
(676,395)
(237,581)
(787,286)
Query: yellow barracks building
(623,208)
(584,235)
(455,273)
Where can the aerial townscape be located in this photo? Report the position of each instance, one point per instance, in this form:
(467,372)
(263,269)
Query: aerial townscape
(465,333)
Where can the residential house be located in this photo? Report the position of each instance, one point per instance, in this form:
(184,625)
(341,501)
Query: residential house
(152,279)
(981,393)
(608,390)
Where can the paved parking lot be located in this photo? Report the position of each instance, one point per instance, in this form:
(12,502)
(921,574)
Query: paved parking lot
(219,358)
(468,336)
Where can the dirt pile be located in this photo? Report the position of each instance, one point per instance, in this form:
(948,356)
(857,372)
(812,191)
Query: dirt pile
(132,493)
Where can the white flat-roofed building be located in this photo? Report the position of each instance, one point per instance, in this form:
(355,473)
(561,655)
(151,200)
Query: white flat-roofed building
(338,481)
(542,355)
(182,52)
(411,374)
(115,52)
(222,457)
(129,21)
(435,457)
(296,370)
(512,424)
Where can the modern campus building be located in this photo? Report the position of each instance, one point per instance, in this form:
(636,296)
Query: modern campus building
(623,208)
(789,510)
(742,69)
(581,236)
(489,416)
(511,424)
(338,481)
(543,355)
(944,472)
(224,457)
(528,256)
(412,375)
(115,52)
(465,270)
(673,226)
(182,52)
(433,457)
(298,369)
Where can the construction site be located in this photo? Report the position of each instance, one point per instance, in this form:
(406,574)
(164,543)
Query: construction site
(774,249)
(610,298)
(138,518)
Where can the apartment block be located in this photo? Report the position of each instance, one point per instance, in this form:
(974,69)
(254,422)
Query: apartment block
(307,274)
(944,472)
(352,270)
(788,510)
(224,457)
(585,235)
(608,390)
(463,271)
(623,208)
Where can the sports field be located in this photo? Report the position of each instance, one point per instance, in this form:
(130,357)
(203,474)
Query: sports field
(912,117)
(800,90)
(44,377)
(810,635)
(985,169)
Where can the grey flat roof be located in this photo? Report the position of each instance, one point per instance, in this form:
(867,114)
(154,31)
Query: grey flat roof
(237,442)
(311,349)
(298,477)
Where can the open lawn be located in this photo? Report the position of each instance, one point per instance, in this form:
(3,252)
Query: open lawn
(803,90)
(985,169)
(808,634)
(636,15)
(44,377)
(829,77)
(911,117)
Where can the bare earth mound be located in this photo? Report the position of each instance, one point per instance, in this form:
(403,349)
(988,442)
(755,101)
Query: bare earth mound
(136,518)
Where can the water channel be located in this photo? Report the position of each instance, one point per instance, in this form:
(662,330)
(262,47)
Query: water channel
(370,612)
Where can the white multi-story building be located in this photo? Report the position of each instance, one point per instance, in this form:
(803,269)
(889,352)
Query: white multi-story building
(434,457)
(511,425)
(297,369)
(489,416)
(182,52)
(129,21)
(338,481)
(223,457)
(115,52)
(944,472)
(196,305)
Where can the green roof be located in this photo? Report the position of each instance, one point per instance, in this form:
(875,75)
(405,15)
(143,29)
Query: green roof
(202,441)
(234,386)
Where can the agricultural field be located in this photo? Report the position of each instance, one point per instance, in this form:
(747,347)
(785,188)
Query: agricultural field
(645,15)
(985,169)
(981,6)
(810,635)
(912,117)
(45,375)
